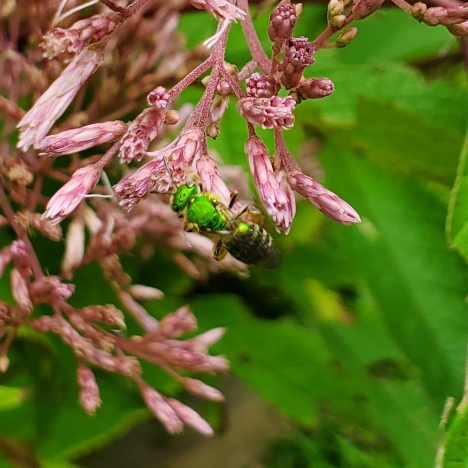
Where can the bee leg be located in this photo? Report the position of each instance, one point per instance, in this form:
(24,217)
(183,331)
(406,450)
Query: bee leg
(190,227)
(255,215)
(219,252)
(232,201)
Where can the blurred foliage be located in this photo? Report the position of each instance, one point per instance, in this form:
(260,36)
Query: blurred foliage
(360,336)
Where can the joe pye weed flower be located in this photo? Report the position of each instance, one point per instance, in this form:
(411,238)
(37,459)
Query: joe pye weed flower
(98,71)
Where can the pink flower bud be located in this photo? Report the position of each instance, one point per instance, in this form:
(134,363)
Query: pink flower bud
(145,293)
(79,139)
(53,232)
(208,338)
(177,323)
(364,8)
(218,108)
(259,86)
(276,200)
(107,314)
(180,154)
(161,409)
(67,199)
(282,22)
(315,88)
(323,199)
(158,98)
(197,387)
(37,122)
(448,16)
(211,364)
(5,258)
(74,247)
(21,258)
(50,289)
(460,29)
(8,316)
(139,134)
(297,56)
(89,390)
(274,112)
(84,32)
(20,291)
(140,314)
(190,417)
(223,88)
(211,180)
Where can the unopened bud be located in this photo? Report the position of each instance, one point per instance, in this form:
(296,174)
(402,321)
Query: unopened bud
(218,108)
(335,7)
(89,390)
(418,11)
(19,174)
(72,193)
(4,363)
(436,15)
(159,98)
(258,85)
(79,139)
(171,117)
(337,21)
(315,88)
(459,29)
(145,293)
(282,22)
(190,417)
(161,409)
(20,291)
(364,8)
(74,247)
(212,130)
(223,88)
(346,37)
(197,387)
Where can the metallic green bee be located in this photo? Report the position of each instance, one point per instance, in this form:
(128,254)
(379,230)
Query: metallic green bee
(248,241)
(201,211)
(241,235)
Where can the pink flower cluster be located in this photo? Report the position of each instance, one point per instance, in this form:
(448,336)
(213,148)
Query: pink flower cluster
(143,163)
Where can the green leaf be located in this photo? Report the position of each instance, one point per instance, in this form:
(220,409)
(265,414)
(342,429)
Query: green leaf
(11,397)
(57,464)
(438,101)
(394,401)
(400,252)
(75,433)
(404,140)
(286,364)
(454,450)
(457,218)
(391,34)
